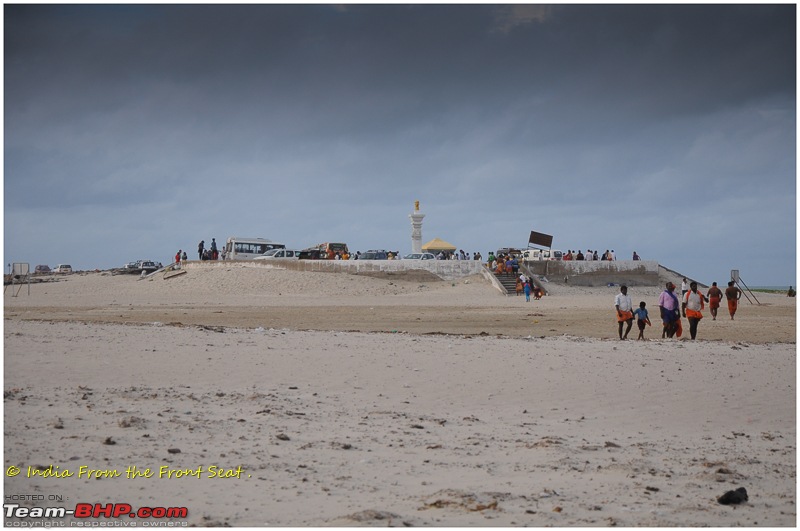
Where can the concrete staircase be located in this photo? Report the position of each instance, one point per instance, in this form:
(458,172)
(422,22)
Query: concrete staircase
(509,282)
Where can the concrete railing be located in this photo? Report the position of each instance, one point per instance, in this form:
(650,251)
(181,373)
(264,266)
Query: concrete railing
(444,269)
(578,273)
(598,272)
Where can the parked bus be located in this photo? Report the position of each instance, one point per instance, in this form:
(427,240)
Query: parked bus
(237,248)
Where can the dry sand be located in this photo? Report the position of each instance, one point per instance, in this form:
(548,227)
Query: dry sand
(351,401)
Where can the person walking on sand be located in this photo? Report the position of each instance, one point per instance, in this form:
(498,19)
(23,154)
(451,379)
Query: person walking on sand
(183,259)
(527,287)
(178,256)
(669,306)
(733,294)
(684,287)
(624,306)
(691,306)
(642,318)
(200,247)
(714,298)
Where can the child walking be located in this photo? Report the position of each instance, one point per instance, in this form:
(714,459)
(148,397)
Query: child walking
(641,318)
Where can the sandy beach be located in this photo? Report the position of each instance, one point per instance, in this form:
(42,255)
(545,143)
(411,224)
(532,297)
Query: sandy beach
(342,400)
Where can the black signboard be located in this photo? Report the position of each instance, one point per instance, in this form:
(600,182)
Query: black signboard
(543,240)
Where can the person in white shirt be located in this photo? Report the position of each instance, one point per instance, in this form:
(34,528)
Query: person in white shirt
(692,303)
(624,307)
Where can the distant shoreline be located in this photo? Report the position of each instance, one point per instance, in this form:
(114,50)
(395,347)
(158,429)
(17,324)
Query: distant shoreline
(770,289)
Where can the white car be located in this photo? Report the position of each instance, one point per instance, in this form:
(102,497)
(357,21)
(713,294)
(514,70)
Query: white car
(147,265)
(63,269)
(419,256)
(279,254)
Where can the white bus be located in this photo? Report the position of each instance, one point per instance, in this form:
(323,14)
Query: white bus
(536,255)
(237,248)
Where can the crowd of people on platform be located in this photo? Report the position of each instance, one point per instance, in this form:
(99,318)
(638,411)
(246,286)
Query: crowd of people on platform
(395,255)
(457,255)
(212,253)
(503,264)
(591,255)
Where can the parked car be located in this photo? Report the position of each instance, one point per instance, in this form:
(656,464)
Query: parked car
(310,254)
(374,255)
(419,256)
(131,265)
(42,269)
(279,254)
(516,253)
(147,265)
(63,269)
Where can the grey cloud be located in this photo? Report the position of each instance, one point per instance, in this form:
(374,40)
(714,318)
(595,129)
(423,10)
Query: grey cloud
(307,120)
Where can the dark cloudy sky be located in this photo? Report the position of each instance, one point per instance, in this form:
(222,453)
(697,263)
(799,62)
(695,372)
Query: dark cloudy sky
(134,130)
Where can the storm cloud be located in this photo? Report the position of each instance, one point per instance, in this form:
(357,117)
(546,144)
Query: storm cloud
(134,130)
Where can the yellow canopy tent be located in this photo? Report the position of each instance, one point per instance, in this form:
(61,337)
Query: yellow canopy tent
(437,244)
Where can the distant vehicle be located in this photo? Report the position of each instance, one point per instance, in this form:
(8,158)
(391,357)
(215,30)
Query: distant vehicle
(131,265)
(42,269)
(63,269)
(508,250)
(374,255)
(237,248)
(326,248)
(309,254)
(419,256)
(536,255)
(279,254)
(147,265)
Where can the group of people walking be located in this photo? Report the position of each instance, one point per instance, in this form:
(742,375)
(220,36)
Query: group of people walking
(690,307)
(526,285)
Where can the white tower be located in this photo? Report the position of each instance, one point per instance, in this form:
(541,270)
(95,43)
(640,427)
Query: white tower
(416,229)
